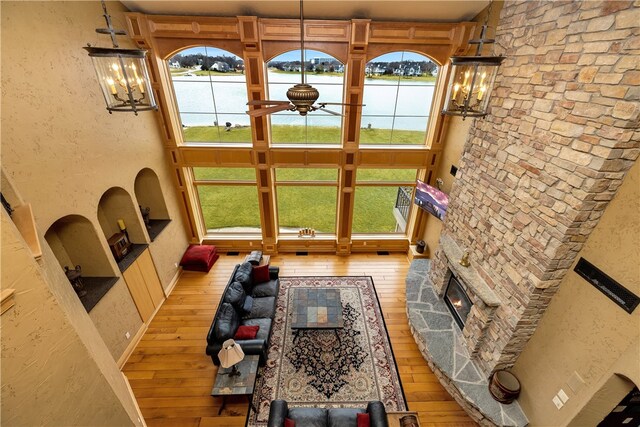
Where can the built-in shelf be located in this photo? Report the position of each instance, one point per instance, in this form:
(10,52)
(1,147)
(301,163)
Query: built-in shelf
(134,253)
(96,288)
(22,217)
(7,299)
(156,226)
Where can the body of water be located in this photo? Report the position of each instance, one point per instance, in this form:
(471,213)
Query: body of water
(199,97)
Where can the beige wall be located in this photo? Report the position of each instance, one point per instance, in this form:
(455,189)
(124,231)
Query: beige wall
(457,133)
(61,148)
(583,331)
(51,374)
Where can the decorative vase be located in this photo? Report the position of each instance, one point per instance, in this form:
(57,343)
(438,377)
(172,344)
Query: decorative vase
(420,246)
(504,386)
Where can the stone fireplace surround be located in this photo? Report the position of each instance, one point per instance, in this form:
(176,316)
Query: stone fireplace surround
(444,347)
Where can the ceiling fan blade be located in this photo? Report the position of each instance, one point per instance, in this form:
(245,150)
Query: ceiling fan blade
(340,103)
(264,111)
(329,111)
(266,102)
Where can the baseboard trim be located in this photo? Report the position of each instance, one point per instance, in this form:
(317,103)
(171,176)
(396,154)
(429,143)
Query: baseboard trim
(132,345)
(135,402)
(174,282)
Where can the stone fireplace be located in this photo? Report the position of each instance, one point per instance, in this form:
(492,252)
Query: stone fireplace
(537,173)
(457,301)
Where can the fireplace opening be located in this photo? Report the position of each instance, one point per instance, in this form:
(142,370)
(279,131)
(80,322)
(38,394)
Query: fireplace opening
(457,301)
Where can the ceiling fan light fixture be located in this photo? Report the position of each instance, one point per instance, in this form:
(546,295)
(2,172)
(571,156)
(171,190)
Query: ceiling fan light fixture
(303,96)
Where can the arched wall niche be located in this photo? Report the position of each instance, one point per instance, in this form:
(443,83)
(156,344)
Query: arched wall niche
(149,195)
(116,203)
(74,241)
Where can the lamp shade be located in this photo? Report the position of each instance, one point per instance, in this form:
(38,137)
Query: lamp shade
(230,354)
(123,78)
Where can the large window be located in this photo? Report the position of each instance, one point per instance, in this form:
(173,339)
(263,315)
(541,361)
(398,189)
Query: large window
(398,93)
(307,198)
(210,88)
(324,73)
(228,199)
(382,200)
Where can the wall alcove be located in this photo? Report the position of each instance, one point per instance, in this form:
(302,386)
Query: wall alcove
(116,208)
(74,241)
(149,195)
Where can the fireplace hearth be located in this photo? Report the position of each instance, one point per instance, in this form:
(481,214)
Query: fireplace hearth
(457,301)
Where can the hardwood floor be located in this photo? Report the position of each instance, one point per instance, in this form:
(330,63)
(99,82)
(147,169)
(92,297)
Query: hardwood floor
(171,376)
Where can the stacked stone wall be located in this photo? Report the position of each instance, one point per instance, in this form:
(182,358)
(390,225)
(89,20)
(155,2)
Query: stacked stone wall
(539,170)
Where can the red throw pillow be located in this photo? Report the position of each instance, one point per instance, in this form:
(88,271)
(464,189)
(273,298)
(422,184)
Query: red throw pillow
(363,420)
(260,274)
(288,422)
(246,332)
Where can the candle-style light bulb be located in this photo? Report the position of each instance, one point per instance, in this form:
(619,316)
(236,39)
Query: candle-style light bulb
(466,77)
(112,86)
(481,92)
(456,88)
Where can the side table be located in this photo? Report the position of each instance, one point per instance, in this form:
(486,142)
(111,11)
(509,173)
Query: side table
(243,384)
(265,259)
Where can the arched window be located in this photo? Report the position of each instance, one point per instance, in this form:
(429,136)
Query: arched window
(398,93)
(211,93)
(323,72)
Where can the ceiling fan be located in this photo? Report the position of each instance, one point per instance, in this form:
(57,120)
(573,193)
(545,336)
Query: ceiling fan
(302,97)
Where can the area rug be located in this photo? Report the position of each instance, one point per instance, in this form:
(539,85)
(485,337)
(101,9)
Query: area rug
(322,369)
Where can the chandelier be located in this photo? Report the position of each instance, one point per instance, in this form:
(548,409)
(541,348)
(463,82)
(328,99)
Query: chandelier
(472,78)
(122,73)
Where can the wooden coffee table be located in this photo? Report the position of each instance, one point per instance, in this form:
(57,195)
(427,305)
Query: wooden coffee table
(243,384)
(316,308)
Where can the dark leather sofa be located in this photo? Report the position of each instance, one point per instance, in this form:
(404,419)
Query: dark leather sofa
(322,417)
(245,303)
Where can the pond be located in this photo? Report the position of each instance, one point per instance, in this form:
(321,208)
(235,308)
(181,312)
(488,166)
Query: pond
(205,101)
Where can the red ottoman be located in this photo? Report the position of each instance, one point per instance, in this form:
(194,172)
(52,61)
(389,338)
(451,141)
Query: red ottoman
(199,258)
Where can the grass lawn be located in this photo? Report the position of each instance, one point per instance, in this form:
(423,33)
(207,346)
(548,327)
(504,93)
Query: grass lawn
(289,134)
(300,206)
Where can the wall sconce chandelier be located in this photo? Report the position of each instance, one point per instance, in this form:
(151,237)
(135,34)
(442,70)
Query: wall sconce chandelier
(472,78)
(122,73)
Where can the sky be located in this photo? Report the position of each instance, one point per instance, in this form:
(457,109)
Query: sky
(294,55)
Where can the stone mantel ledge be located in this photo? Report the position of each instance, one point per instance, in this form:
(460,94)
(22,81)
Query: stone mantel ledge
(442,345)
(469,275)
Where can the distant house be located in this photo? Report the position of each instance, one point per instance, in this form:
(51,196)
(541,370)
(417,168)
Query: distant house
(220,66)
(174,64)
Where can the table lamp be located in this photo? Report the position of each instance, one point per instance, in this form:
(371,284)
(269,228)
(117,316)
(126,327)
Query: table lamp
(230,355)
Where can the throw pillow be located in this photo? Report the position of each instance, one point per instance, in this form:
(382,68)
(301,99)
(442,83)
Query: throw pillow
(288,422)
(246,332)
(235,295)
(260,274)
(248,304)
(363,420)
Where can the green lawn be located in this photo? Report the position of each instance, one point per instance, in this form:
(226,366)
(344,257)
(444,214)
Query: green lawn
(300,206)
(285,134)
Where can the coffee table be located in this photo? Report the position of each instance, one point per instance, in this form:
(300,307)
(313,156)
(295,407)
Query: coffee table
(316,308)
(243,384)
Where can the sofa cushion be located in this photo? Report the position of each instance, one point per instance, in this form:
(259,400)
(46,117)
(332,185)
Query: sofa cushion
(246,332)
(248,304)
(227,322)
(260,274)
(262,307)
(343,417)
(243,275)
(363,420)
(309,417)
(265,327)
(235,295)
(266,289)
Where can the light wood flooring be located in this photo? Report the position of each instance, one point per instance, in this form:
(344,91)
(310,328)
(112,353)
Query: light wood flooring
(171,376)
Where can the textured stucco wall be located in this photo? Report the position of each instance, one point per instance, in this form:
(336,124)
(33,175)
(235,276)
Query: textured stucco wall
(49,374)
(584,331)
(61,148)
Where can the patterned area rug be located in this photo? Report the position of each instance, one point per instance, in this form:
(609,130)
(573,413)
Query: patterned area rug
(329,368)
